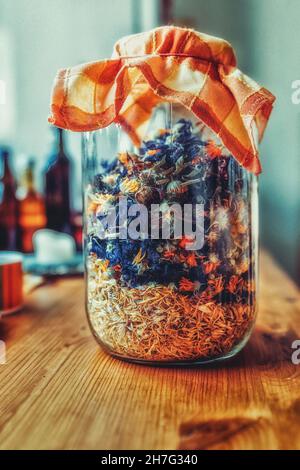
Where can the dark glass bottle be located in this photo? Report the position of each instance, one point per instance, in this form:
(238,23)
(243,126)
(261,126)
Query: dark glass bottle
(57,188)
(8,206)
(32,215)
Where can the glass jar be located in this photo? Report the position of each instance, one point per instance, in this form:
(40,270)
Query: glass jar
(156,291)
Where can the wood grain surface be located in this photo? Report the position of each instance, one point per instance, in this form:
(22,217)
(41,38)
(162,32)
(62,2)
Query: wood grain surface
(59,390)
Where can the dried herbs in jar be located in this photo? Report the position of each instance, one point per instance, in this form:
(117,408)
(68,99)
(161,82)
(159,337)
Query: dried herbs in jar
(170,189)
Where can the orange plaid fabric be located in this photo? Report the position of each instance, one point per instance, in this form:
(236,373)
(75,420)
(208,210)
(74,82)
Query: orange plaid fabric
(166,64)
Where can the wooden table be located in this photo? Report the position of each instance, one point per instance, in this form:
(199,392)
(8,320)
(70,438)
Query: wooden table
(59,390)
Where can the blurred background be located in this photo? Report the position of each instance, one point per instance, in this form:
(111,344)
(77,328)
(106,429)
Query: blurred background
(37,37)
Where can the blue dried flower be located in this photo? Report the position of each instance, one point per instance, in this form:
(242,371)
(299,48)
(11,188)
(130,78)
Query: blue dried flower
(98,247)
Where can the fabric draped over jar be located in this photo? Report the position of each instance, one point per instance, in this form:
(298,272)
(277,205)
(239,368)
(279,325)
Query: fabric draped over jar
(167,64)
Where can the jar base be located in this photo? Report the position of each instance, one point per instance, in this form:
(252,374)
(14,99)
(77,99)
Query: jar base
(181,363)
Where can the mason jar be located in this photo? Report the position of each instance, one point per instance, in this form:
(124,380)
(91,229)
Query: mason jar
(171,229)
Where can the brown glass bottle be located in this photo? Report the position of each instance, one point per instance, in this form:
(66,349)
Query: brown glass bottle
(32,213)
(8,206)
(57,188)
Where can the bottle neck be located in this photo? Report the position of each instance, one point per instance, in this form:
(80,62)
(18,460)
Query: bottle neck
(29,179)
(61,145)
(60,141)
(6,168)
(7,176)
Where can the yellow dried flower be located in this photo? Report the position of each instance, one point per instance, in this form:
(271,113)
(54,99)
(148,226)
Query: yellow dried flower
(102,265)
(129,186)
(139,257)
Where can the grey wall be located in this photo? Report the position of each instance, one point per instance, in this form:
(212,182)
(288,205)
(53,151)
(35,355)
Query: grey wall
(266,36)
(276,63)
(41,37)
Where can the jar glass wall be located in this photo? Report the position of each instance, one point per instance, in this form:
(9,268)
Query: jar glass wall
(170,242)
